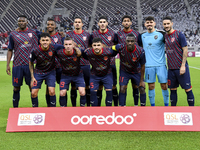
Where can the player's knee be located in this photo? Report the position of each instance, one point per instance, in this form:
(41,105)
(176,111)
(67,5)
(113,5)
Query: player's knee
(151,86)
(114,87)
(16,88)
(87,87)
(164,86)
(82,93)
(100,87)
(51,92)
(62,93)
(134,86)
(73,87)
(187,90)
(33,94)
(122,89)
(142,90)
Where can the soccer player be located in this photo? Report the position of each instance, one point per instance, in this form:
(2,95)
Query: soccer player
(99,58)
(44,54)
(178,69)
(56,39)
(108,39)
(154,46)
(126,23)
(81,38)
(22,42)
(131,56)
(71,71)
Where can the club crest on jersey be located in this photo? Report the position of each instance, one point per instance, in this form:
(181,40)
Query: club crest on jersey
(172,39)
(155,37)
(50,53)
(84,38)
(109,38)
(134,59)
(75,58)
(30,34)
(55,40)
(105,58)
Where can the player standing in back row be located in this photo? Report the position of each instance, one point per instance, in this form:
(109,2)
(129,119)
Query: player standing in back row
(81,38)
(21,42)
(153,43)
(178,69)
(109,38)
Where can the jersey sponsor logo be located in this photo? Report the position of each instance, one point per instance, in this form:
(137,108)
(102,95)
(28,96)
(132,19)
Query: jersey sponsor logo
(100,120)
(172,39)
(55,40)
(105,58)
(25,42)
(84,38)
(109,38)
(50,53)
(134,59)
(75,58)
(30,35)
(155,37)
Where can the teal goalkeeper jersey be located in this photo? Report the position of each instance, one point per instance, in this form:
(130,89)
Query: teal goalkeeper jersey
(154,46)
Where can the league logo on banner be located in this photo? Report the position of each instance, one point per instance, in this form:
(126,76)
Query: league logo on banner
(191,54)
(30,119)
(178,118)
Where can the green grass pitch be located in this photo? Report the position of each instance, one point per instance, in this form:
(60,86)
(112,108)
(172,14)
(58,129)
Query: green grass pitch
(95,140)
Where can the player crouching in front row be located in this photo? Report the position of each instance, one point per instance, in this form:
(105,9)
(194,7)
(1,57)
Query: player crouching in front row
(44,54)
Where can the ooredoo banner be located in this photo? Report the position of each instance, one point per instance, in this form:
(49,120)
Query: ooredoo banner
(104,119)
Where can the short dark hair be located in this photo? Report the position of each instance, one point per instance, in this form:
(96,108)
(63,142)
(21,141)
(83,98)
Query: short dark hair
(68,39)
(24,16)
(97,39)
(131,35)
(103,17)
(149,18)
(126,16)
(44,34)
(50,19)
(77,17)
(167,18)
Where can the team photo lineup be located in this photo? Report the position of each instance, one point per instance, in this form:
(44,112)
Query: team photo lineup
(83,62)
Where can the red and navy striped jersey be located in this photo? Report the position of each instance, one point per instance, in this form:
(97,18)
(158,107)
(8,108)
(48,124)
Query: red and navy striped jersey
(129,61)
(100,63)
(174,43)
(45,60)
(70,63)
(108,39)
(122,36)
(57,39)
(22,42)
(82,41)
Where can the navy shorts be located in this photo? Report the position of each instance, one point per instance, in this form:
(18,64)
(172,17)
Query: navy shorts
(66,80)
(50,79)
(20,72)
(174,78)
(125,77)
(58,74)
(106,80)
(86,74)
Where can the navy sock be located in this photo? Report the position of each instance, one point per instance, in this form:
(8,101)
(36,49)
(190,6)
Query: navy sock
(88,97)
(63,101)
(136,96)
(73,97)
(52,101)
(16,96)
(173,97)
(93,98)
(99,97)
(109,98)
(115,96)
(34,101)
(48,100)
(82,101)
(143,99)
(190,98)
(122,99)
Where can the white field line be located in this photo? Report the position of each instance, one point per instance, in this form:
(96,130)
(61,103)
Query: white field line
(194,67)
